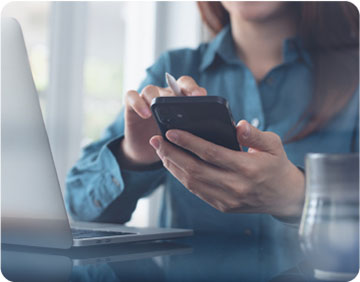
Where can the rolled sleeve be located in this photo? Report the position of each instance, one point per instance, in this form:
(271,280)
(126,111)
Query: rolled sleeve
(93,183)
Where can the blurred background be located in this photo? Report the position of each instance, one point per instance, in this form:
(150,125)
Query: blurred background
(85,55)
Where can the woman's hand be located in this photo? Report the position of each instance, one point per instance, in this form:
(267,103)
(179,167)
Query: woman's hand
(261,180)
(140,126)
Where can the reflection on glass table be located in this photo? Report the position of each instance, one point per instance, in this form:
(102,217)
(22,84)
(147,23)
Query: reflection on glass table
(204,257)
(83,264)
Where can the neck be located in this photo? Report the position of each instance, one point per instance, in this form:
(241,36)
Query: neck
(259,44)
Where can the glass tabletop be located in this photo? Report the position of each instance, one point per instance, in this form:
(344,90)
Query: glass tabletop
(202,257)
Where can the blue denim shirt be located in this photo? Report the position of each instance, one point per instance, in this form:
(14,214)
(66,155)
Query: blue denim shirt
(98,189)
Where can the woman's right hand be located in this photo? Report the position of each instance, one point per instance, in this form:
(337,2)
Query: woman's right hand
(140,125)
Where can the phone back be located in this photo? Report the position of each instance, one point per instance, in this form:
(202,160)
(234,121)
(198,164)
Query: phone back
(206,117)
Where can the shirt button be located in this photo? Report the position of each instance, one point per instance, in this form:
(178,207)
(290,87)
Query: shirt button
(269,80)
(115,181)
(247,232)
(255,122)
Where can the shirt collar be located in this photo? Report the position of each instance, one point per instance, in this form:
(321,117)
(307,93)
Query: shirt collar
(293,49)
(223,46)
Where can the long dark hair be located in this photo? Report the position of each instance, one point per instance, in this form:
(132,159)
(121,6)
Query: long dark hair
(330,32)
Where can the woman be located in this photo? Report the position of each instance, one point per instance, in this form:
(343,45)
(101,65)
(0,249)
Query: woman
(290,69)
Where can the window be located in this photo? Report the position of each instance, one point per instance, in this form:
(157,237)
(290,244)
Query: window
(34,20)
(103,67)
(85,55)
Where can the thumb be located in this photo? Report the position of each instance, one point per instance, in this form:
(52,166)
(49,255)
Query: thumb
(252,137)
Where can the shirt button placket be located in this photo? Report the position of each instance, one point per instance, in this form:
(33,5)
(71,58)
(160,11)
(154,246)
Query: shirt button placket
(252,102)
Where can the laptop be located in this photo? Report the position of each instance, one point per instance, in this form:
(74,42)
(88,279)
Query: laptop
(32,206)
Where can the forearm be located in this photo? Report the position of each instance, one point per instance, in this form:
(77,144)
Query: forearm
(101,190)
(127,163)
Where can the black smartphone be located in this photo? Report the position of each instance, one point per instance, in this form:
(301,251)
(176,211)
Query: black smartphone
(207,117)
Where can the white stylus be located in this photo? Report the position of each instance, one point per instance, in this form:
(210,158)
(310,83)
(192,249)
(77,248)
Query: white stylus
(171,81)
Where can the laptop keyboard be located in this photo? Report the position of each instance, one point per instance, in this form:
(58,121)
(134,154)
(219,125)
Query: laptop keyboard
(83,233)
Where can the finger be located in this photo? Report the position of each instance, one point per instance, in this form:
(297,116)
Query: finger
(252,137)
(185,161)
(166,92)
(150,92)
(134,102)
(213,195)
(189,87)
(208,183)
(214,154)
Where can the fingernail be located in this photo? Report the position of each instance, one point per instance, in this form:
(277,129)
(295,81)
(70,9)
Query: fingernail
(145,112)
(172,136)
(246,132)
(155,143)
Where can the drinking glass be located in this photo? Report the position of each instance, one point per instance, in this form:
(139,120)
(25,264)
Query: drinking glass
(329,230)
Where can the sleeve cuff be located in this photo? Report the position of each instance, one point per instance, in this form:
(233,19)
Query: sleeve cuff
(293,221)
(111,185)
(114,147)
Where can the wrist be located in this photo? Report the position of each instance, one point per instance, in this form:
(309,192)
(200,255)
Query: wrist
(298,193)
(131,161)
(291,205)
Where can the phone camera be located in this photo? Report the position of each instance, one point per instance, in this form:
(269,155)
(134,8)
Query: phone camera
(169,115)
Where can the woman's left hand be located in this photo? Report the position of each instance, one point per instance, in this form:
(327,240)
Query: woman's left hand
(261,180)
